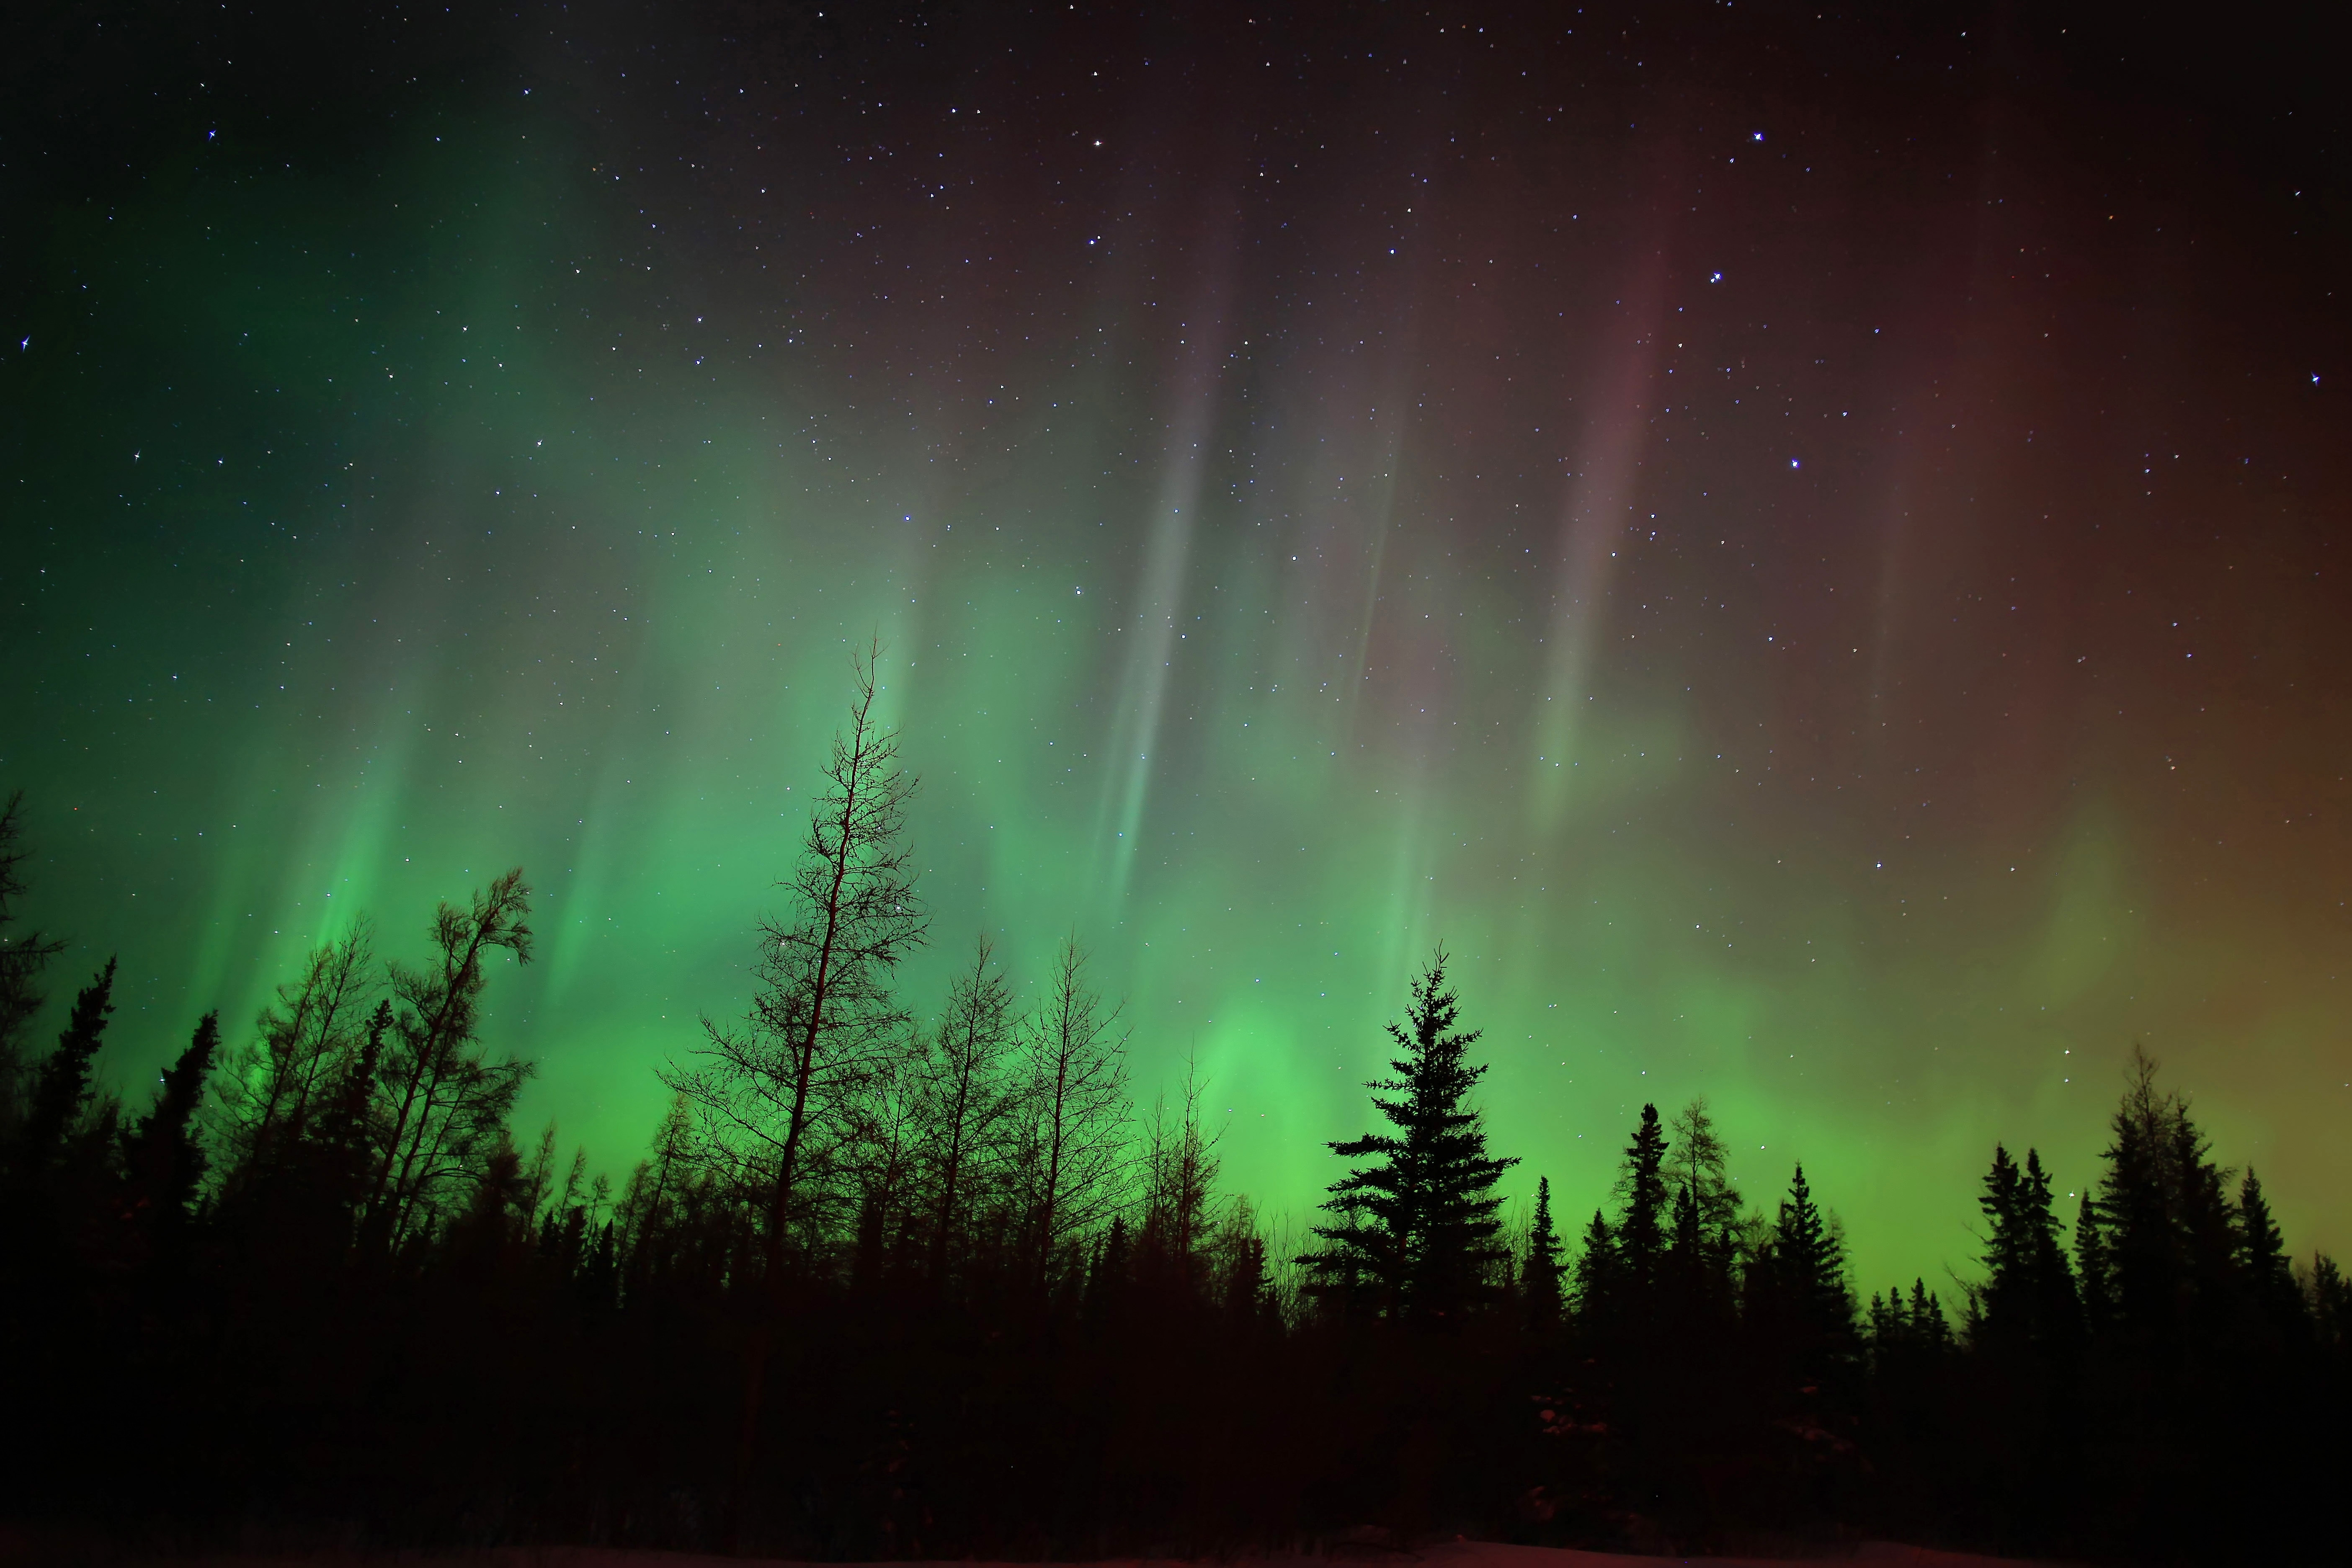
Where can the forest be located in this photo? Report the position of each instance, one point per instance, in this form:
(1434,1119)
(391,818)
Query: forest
(906,1278)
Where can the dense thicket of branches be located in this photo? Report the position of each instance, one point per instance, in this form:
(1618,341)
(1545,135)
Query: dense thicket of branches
(310,1283)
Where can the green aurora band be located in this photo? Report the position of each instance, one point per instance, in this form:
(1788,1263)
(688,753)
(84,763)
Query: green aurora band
(1857,645)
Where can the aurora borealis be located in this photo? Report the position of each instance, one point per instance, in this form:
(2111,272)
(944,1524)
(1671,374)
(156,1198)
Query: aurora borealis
(1806,549)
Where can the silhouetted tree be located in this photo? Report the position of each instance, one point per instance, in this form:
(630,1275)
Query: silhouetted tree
(276,1087)
(1641,1228)
(22,956)
(1071,1137)
(1420,1218)
(1928,1326)
(2269,1275)
(63,1087)
(1803,1281)
(1595,1275)
(161,1157)
(2330,1303)
(442,1102)
(2029,1299)
(2137,1210)
(825,1010)
(1180,1172)
(967,1102)
(1706,1227)
(1543,1269)
(2094,1275)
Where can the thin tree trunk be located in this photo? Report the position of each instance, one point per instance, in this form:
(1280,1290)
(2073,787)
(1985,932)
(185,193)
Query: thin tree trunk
(755,1372)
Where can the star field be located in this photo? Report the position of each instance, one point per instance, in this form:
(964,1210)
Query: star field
(1808,550)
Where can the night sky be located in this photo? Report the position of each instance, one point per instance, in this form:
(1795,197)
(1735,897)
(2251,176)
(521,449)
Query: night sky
(1809,551)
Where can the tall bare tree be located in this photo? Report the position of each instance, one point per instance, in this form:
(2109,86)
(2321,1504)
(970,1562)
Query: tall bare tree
(1180,1170)
(442,1102)
(279,1084)
(967,1102)
(1074,1138)
(769,1092)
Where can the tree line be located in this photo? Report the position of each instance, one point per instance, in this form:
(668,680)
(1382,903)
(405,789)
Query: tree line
(894,1282)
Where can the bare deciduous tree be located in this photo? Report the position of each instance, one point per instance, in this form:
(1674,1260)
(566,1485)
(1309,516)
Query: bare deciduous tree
(443,1103)
(769,1092)
(767,1089)
(1181,1168)
(967,1103)
(1074,1136)
(278,1084)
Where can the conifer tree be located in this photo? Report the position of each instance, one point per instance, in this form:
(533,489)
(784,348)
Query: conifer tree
(1596,1274)
(62,1088)
(2208,1229)
(2003,1257)
(1808,1266)
(1641,1195)
(22,956)
(161,1155)
(2057,1299)
(1926,1319)
(1419,1219)
(2270,1276)
(2092,1275)
(1544,1269)
(1889,1325)
(2330,1304)
(2136,1210)
(2029,1299)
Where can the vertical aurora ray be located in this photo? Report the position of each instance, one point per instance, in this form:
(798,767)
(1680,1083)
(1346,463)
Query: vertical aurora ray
(1595,521)
(1255,489)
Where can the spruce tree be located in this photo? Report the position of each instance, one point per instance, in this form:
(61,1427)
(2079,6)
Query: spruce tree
(2057,1299)
(1544,1269)
(2270,1276)
(161,1155)
(2330,1304)
(62,1086)
(2029,1299)
(1999,1302)
(1418,1222)
(1809,1265)
(2092,1275)
(22,956)
(1926,1319)
(1596,1275)
(2137,1214)
(1641,1193)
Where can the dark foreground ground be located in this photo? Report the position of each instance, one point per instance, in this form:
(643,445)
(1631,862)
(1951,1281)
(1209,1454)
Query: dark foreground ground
(1447,1554)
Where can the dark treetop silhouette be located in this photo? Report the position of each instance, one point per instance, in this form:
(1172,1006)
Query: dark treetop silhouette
(890,1286)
